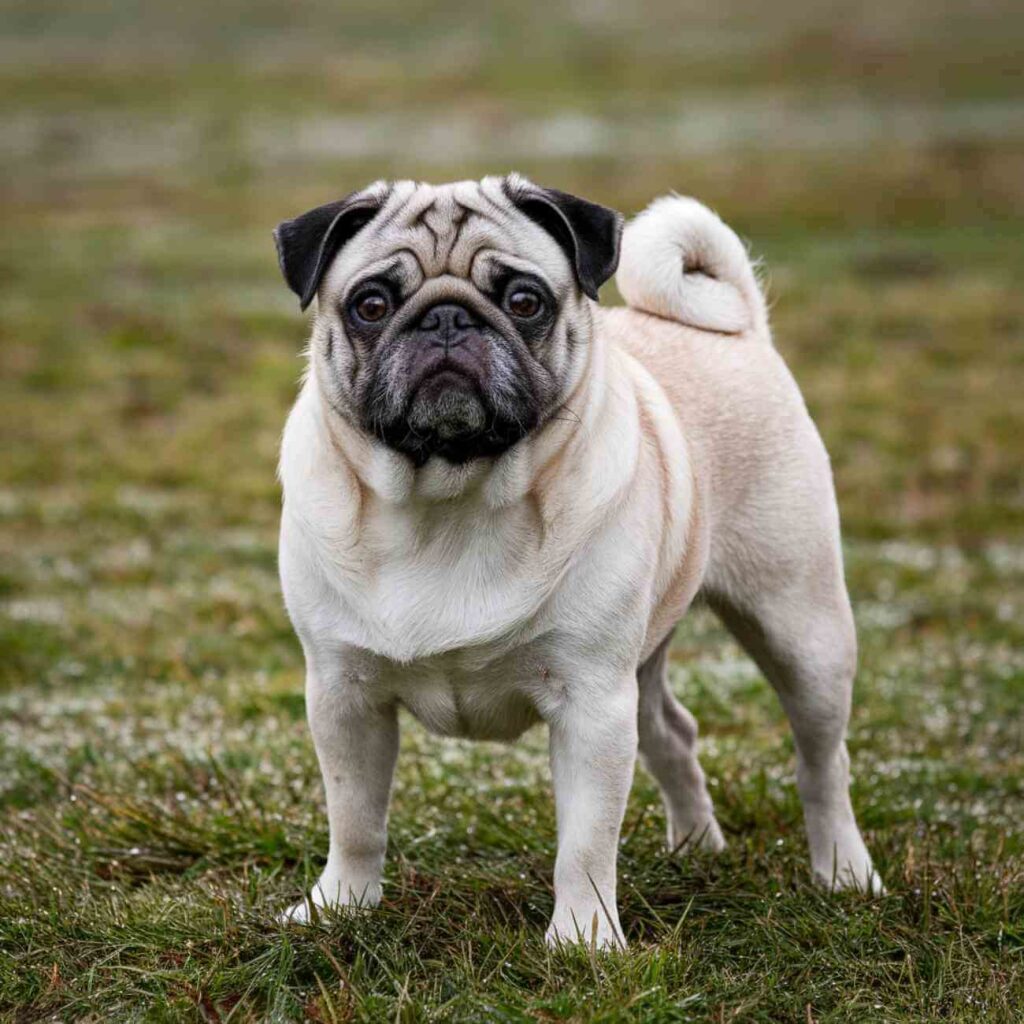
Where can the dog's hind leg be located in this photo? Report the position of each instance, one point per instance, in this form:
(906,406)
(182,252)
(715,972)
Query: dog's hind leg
(668,749)
(795,622)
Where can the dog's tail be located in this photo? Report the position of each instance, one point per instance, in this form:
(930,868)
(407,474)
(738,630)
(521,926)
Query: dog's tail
(682,262)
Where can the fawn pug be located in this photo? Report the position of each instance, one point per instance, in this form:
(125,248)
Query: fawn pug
(500,497)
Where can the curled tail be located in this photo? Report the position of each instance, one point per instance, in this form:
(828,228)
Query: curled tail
(682,262)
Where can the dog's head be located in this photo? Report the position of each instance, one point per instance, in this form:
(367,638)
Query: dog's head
(452,320)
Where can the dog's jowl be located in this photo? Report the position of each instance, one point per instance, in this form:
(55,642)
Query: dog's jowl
(500,497)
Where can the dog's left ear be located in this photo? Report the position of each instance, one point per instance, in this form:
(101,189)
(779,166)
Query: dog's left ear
(307,244)
(589,234)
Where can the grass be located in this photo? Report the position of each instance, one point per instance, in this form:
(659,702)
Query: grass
(159,798)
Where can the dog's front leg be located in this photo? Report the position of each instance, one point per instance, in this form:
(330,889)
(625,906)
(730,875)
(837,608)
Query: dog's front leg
(593,753)
(356,744)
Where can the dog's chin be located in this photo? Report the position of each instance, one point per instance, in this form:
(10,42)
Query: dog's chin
(448,417)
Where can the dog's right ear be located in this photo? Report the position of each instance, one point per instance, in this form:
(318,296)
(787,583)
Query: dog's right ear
(307,244)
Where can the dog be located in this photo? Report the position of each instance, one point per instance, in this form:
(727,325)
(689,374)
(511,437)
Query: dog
(500,497)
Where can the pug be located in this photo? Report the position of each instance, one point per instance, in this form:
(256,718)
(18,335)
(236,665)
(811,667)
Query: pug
(500,497)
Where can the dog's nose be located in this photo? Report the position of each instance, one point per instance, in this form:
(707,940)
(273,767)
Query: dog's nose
(447,321)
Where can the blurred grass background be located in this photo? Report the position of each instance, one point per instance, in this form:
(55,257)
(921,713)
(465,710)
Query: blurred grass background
(873,155)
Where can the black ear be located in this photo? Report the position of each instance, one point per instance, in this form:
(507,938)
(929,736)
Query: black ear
(588,233)
(307,244)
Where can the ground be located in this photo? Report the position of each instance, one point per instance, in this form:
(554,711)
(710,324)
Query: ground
(159,797)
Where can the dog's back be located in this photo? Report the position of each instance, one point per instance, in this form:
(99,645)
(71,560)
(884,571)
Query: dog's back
(697,321)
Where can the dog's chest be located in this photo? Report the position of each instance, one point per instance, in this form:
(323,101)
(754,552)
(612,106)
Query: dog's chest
(453,636)
(452,696)
(417,592)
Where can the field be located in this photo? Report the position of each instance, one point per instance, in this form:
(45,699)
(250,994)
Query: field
(159,796)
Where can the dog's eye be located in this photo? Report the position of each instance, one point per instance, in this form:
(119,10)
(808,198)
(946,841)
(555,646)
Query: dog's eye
(371,307)
(523,303)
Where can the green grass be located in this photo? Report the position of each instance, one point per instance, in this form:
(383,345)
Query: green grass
(159,797)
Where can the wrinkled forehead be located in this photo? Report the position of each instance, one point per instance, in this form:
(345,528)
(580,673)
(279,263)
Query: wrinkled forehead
(466,229)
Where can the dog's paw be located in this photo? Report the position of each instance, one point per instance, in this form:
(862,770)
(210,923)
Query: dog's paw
(299,913)
(595,931)
(330,897)
(700,835)
(857,877)
(850,870)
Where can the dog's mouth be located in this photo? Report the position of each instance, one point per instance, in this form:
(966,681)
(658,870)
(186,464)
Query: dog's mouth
(448,414)
(447,403)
